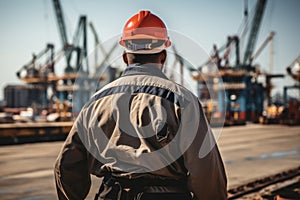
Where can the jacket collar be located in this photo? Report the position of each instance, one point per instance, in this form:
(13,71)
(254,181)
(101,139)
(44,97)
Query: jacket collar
(143,69)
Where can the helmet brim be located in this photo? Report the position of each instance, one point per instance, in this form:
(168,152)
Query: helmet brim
(142,51)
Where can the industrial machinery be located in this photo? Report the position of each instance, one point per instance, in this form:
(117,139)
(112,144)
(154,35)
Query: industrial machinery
(271,113)
(48,101)
(45,85)
(239,95)
(291,112)
(70,48)
(35,69)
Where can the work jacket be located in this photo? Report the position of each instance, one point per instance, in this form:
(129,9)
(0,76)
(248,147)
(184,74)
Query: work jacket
(141,126)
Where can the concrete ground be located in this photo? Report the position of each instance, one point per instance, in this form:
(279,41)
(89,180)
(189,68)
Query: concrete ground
(249,152)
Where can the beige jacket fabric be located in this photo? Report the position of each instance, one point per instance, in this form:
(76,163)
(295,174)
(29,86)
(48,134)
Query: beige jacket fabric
(142,125)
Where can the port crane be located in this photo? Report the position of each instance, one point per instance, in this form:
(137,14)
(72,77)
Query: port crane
(249,54)
(31,70)
(259,11)
(246,103)
(243,96)
(269,76)
(69,48)
(291,112)
(293,70)
(41,77)
(268,40)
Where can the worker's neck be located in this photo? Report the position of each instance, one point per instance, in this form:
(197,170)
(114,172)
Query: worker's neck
(148,64)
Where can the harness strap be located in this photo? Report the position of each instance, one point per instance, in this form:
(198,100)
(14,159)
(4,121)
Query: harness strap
(116,188)
(144,182)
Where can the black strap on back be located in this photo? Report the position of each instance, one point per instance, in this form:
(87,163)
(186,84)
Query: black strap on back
(112,186)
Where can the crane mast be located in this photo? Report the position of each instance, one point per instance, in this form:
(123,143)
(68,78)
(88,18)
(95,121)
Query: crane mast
(258,15)
(63,35)
(60,22)
(81,33)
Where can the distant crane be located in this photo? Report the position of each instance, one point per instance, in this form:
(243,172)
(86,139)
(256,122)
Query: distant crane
(62,31)
(248,54)
(291,113)
(70,48)
(30,68)
(293,71)
(217,58)
(97,41)
(243,94)
(180,60)
(98,44)
(259,11)
(81,32)
(262,46)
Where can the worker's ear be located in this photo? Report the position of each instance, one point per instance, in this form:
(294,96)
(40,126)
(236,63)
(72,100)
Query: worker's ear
(125,59)
(163,57)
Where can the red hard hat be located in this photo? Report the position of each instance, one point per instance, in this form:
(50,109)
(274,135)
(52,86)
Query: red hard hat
(145,33)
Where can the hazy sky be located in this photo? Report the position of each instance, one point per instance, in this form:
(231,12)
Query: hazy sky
(26,26)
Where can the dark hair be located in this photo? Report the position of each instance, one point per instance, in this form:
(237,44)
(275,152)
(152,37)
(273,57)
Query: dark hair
(144,58)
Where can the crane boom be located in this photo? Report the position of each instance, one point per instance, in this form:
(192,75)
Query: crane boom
(60,22)
(259,11)
(97,41)
(263,45)
(63,35)
(295,74)
(49,62)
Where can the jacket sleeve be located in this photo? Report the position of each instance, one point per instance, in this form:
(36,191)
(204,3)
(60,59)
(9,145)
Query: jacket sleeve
(206,179)
(71,170)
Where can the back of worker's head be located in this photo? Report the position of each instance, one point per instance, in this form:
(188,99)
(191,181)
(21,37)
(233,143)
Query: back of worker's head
(157,58)
(145,39)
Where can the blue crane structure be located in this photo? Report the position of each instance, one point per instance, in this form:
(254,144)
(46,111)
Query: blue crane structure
(245,102)
(239,95)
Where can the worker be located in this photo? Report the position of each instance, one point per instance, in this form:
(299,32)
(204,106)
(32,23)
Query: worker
(145,135)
